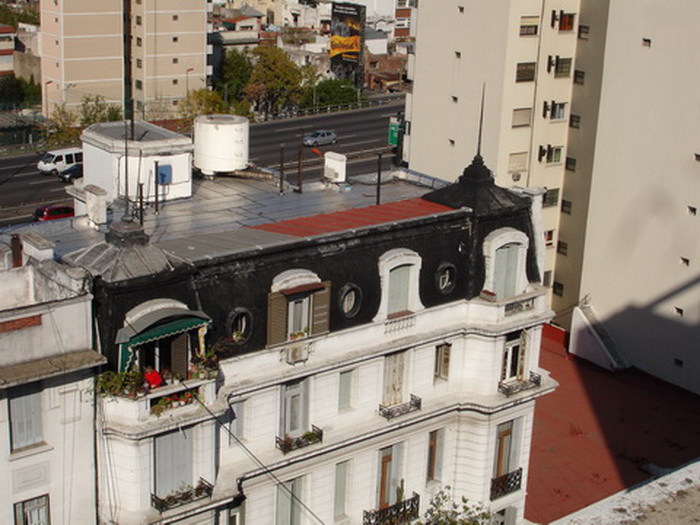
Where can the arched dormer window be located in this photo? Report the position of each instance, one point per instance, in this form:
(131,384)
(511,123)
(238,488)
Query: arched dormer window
(398,273)
(505,252)
(298,306)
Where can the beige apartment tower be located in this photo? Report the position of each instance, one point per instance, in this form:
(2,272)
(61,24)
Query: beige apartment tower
(520,53)
(84,52)
(596,101)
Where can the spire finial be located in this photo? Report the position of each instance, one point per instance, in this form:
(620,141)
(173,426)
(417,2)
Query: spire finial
(481,119)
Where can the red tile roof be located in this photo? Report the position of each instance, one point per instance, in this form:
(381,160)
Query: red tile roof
(594,434)
(355,218)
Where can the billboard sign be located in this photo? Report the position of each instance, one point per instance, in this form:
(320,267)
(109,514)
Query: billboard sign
(347,41)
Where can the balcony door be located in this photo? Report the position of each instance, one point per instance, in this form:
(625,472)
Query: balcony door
(504,446)
(389,475)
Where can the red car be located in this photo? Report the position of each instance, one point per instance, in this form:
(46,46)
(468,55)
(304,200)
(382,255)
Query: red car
(53,211)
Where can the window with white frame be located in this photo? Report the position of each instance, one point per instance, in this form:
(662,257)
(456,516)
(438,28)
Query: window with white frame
(505,253)
(394,369)
(517,162)
(399,279)
(389,475)
(298,306)
(525,72)
(522,117)
(399,270)
(173,465)
(441,369)
(33,511)
(340,495)
(436,440)
(513,364)
(25,410)
(294,410)
(289,498)
(558,111)
(529,25)
(554,154)
(345,390)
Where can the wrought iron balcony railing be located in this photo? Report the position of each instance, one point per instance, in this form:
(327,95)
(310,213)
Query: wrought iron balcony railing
(288,443)
(393,411)
(513,387)
(401,512)
(504,485)
(188,494)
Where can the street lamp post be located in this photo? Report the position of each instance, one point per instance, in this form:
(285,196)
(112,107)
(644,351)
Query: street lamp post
(187,79)
(46,96)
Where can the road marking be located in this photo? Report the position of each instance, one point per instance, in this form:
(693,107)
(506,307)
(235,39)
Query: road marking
(358,143)
(292,128)
(389,114)
(45,181)
(54,190)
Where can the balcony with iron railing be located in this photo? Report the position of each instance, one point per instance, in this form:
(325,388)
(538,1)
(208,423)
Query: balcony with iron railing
(506,484)
(188,494)
(404,511)
(288,443)
(390,412)
(513,387)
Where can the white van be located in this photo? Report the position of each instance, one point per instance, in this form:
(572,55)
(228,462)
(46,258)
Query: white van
(54,162)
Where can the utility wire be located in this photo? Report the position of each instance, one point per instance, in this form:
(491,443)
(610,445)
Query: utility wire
(250,453)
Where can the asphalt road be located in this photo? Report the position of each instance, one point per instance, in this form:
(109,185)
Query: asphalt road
(361,134)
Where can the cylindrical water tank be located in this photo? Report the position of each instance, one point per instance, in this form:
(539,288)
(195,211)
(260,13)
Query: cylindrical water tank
(220,143)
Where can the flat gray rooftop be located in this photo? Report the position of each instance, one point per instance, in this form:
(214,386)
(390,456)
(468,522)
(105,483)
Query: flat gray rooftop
(228,203)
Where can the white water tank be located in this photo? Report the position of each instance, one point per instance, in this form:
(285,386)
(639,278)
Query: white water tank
(220,143)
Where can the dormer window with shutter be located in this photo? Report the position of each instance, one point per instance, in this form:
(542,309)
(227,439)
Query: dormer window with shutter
(298,306)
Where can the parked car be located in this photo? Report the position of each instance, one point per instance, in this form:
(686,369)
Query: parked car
(57,161)
(71,173)
(53,211)
(319,138)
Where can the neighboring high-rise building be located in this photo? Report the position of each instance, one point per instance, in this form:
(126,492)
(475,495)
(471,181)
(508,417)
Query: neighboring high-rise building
(519,55)
(594,101)
(630,209)
(84,52)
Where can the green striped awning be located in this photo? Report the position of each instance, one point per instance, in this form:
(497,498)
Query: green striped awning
(167,329)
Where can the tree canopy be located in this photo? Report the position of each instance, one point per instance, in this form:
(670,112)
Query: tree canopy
(275,82)
(234,76)
(443,510)
(201,102)
(94,108)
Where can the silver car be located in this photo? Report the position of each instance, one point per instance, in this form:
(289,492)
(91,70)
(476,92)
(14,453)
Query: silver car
(319,138)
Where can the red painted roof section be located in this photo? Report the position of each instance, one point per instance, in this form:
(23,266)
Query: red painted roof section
(592,435)
(355,218)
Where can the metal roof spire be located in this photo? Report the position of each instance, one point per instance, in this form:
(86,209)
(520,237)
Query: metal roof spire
(481,119)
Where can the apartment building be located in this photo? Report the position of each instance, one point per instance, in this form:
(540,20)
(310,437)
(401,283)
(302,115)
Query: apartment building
(47,371)
(518,55)
(84,52)
(629,208)
(338,367)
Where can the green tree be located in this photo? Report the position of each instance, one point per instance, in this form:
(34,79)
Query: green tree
(11,92)
(13,17)
(275,82)
(201,102)
(331,92)
(443,510)
(94,108)
(61,126)
(234,75)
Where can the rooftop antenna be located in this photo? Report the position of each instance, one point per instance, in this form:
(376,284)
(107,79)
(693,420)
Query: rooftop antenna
(481,119)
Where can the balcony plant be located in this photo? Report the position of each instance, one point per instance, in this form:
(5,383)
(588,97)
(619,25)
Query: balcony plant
(125,384)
